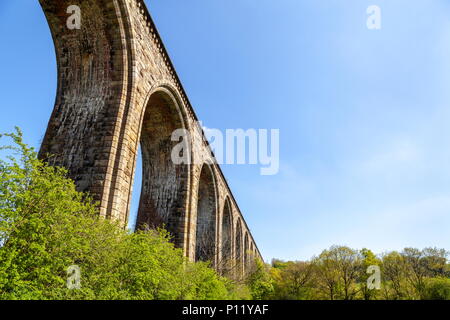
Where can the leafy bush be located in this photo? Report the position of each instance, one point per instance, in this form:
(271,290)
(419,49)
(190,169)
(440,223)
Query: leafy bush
(47,226)
(438,289)
(259,282)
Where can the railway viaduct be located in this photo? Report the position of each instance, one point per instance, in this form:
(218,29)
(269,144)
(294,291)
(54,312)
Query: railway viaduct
(117,88)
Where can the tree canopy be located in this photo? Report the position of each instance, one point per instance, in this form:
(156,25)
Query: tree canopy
(48,230)
(46,226)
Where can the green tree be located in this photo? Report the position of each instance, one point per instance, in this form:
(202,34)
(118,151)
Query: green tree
(437,289)
(394,277)
(296,280)
(368,259)
(338,271)
(435,262)
(260,282)
(327,274)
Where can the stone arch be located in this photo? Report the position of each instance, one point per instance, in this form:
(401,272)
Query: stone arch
(238,242)
(246,250)
(92,64)
(226,249)
(252,252)
(205,235)
(103,110)
(163,198)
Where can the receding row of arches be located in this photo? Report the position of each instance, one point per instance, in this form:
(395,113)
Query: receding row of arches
(220,238)
(97,127)
(220,235)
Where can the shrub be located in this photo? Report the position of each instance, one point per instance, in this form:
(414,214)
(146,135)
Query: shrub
(47,226)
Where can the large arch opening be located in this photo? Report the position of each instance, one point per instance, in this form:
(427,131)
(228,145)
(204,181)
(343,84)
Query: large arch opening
(226,237)
(205,243)
(164,184)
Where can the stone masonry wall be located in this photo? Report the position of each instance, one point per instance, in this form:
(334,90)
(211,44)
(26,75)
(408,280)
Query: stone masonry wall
(117,89)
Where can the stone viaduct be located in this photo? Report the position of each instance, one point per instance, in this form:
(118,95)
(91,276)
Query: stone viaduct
(117,88)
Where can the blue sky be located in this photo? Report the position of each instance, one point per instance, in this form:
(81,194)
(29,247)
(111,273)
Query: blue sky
(363,114)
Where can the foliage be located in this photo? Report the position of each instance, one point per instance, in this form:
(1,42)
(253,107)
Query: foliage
(259,282)
(341,273)
(368,259)
(47,226)
(437,289)
(292,280)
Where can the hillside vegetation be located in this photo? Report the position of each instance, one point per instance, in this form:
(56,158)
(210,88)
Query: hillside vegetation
(54,245)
